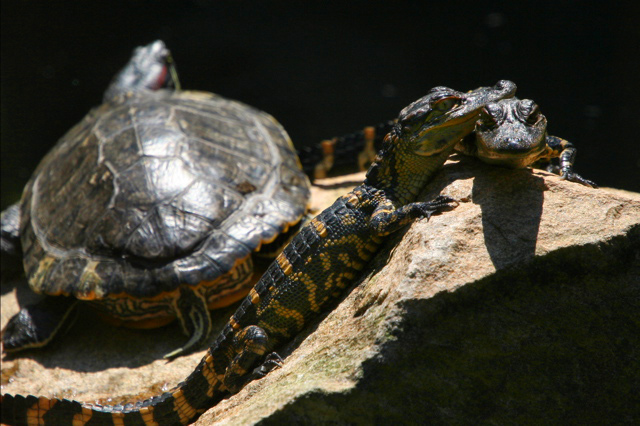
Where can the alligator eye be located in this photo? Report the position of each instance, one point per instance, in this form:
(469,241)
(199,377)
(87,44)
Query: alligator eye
(487,121)
(534,116)
(445,104)
(528,111)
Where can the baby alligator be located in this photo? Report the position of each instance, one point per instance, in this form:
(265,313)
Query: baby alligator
(513,133)
(313,271)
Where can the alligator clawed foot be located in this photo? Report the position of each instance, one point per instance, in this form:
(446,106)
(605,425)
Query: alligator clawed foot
(437,205)
(574,177)
(271,362)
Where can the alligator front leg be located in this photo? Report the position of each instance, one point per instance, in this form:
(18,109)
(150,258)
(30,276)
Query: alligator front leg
(251,345)
(566,152)
(386,219)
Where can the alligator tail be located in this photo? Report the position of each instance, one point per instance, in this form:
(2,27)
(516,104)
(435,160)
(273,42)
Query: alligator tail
(180,406)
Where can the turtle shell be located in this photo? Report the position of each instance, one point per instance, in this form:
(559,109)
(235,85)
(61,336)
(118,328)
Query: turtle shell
(155,190)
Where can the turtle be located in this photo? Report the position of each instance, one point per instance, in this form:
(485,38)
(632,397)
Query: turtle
(153,207)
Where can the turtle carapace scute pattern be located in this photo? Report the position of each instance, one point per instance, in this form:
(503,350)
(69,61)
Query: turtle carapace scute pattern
(152,206)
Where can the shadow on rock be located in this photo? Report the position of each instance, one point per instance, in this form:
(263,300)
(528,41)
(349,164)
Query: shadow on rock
(510,216)
(90,344)
(549,342)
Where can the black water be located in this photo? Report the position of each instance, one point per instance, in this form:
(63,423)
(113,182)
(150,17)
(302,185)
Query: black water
(328,68)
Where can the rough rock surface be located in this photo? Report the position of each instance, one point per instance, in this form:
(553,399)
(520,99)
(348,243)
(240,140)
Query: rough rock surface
(519,306)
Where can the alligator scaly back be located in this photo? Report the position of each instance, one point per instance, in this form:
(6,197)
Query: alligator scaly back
(311,273)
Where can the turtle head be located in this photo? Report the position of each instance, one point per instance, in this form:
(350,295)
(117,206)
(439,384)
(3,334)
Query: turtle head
(151,67)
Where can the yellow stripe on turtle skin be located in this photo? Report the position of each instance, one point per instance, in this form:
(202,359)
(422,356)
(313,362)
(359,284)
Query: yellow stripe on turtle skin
(44,265)
(119,306)
(89,284)
(228,299)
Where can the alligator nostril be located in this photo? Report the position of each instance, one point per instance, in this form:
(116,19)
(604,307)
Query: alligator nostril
(505,85)
(513,145)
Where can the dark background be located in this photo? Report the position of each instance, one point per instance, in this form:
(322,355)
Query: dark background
(329,68)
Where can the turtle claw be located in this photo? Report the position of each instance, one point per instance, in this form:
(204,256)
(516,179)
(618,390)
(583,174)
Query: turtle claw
(177,352)
(193,343)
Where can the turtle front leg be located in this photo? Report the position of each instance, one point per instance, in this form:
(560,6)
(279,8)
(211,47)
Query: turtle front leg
(36,325)
(10,249)
(191,309)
